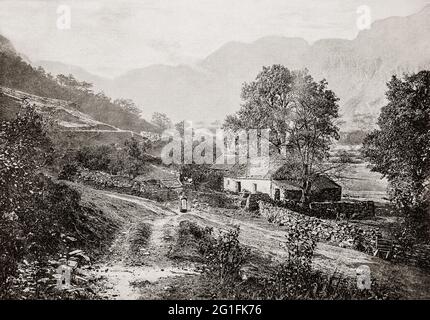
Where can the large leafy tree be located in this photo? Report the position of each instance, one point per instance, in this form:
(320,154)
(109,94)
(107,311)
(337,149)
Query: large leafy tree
(300,113)
(400,148)
(161,120)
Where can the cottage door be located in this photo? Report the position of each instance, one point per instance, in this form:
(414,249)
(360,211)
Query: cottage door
(238,186)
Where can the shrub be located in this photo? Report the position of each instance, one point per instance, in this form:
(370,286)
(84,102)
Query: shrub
(224,257)
(68,172)
(191,238)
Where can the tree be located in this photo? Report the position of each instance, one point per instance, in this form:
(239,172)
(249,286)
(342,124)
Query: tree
(300,113)
(128,105)
(161,120)
(134,158)
(400,148)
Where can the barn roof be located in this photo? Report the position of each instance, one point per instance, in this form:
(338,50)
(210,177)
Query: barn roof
(320,183)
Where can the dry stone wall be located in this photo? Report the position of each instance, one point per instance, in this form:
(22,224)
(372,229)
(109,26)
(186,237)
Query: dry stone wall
(151,189)
(341,233)
(343,209)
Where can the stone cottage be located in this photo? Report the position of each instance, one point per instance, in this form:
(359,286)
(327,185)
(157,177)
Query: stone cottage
(270,176)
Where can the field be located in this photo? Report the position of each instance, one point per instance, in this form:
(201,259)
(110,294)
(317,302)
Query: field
(361,183)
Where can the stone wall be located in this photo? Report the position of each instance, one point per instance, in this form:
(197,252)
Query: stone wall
(337,233)
(150,189)
(343,209)
(252,202)
(344,234)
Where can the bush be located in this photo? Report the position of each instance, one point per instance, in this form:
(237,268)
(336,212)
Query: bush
(224,258)
(190,240)
(97,158)
(68,172)
(130,158)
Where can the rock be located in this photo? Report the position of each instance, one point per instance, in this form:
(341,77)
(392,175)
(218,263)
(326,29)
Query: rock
(72,263)
(85,257)
(75,252)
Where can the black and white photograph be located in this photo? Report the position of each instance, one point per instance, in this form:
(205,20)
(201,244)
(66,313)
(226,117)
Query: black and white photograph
(214,150)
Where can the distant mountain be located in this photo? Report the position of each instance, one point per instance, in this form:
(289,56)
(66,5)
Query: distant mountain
(55,68)
(357,70)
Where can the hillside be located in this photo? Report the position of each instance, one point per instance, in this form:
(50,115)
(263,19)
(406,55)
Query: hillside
(357,70)
(19,75)
(71,127)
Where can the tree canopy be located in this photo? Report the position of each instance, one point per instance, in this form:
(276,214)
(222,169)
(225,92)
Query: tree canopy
(400,148)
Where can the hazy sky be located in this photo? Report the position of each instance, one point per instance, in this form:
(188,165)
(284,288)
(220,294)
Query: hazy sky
(111,36)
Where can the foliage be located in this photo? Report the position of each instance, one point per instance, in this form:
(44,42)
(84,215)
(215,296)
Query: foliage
(190,239)
(299,112)
(224,257)
(133,157)
(161,120)
(128,105)
(99,158)
(201,175)
(25,149)
(129,158)
(35,212)
(68,171)
(400,148)
(352,138)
